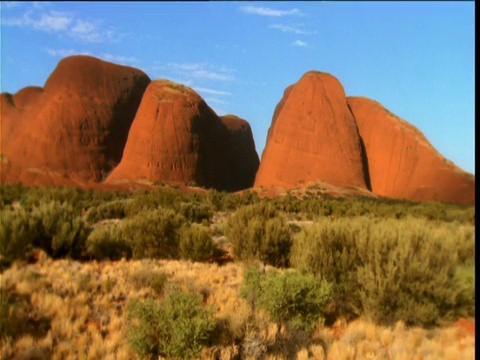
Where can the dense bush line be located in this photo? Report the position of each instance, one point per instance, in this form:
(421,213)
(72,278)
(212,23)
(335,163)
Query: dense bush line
(385,259)
(413,270)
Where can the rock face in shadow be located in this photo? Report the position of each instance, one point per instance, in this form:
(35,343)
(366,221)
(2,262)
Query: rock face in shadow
(402,163)
(75,128)
(313,137)
(177,138)
(244,157)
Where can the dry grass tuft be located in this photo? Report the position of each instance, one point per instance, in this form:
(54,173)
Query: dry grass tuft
(85,307)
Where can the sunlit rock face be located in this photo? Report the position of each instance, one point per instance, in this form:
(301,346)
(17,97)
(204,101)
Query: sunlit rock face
(401,161)
(74,129)
(176,137)
(313,137)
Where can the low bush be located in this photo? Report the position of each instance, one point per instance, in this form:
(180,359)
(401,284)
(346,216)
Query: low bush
(391,270)
(108,242)
(57,228)
(108,210)
(15,235)
(153,234)
(195,212)
(259,232)
(177,326)
(290,298)
(196,243)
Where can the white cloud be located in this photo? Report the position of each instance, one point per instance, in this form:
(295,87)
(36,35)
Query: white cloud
(53,21)
(299,43)
(11,4)
(126,60)
(266,11)
(119,59)
(61,23)
(291,29)
(216,101)
(65,52)
(186,66)
(202,71)
(212,75)
(212,91)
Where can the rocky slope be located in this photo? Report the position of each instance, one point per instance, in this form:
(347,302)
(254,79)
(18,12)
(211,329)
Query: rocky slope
(75,128)
(313,136)
(401,161)
(318,134)
(176,137)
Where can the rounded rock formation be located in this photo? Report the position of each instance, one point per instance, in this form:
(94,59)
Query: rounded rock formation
(401,161)
(177,138)
(76,127)
(313,137)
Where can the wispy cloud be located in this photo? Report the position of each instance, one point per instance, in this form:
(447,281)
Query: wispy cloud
(212,91)
(292,29)
(212,75)
(11,4)
(187,66)
(63,24)
(65,52)
(266,11)
(119,59)
(299,43)
(202,71)
(215,100)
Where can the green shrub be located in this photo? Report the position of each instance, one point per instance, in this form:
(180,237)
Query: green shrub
(56,228)
(464,279)
(108,210)
(37,196)
(196,243)
(290,298)
(175,327)
(142,200)
(195,212)
(329,249)
(15,237)
(10,193)
(153,234)
(260,232)
(59,230)
(390,269)
(108,242)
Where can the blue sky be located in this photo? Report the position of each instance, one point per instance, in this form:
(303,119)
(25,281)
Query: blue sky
(416,58)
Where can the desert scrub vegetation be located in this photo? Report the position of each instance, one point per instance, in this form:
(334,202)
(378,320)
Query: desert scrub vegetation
(196,243)
(291,299)
(260,232)
(176,326)
(81,310)
(388,270)
(382,263)
(54,227)
(153,233)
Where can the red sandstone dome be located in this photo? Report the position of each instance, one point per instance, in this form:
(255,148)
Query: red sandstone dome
(176,137)
(401,161)
(75,127)
(313,137)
